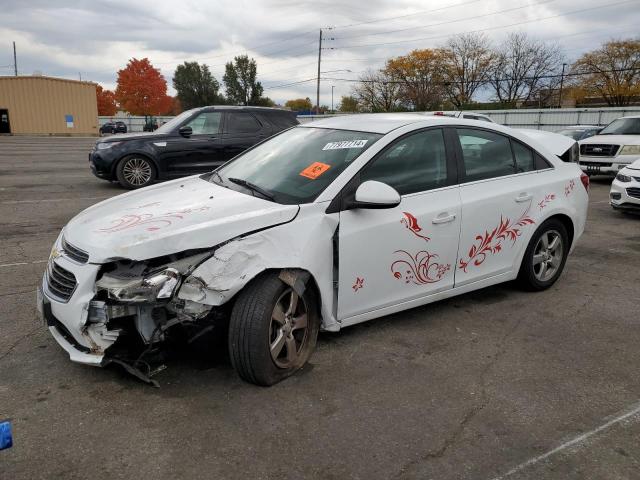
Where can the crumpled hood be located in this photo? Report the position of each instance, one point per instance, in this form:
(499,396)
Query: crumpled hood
(170,218)
(613,140)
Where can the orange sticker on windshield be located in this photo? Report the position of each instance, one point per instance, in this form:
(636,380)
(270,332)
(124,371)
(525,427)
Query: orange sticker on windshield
(314,170)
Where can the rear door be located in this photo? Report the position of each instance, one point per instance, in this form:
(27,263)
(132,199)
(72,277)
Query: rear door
(241,130)
(391,256)
(500,191)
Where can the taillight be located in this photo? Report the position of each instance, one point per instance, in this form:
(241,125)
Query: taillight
(440,114)
(584,178)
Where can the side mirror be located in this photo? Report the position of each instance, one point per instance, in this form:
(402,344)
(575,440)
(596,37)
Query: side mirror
(185,131)
(372,194)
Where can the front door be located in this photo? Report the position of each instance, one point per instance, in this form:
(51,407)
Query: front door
(198,153)
(391,256)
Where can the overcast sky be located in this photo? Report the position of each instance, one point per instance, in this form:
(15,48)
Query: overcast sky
(96,38)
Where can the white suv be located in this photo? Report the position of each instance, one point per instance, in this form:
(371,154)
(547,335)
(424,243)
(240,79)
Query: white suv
(615,147)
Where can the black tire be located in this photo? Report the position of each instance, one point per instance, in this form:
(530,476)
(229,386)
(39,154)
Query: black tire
(253,325)
(135,162)
(530,276)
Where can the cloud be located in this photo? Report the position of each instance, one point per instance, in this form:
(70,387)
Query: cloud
(95,39)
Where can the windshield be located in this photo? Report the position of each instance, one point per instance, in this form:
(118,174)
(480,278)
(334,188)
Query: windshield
(623,126)
(174,122)
(297,165)
(575,134)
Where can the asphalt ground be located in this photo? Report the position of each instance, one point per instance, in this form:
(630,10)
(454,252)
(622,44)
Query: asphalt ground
(497,383)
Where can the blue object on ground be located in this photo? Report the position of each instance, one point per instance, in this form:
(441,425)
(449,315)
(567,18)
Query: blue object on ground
(6,440)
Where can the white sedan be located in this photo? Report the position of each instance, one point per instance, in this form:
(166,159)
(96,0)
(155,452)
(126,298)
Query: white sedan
(322,226)
(625,189)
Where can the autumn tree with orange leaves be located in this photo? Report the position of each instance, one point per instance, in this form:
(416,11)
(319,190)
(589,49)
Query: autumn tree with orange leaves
(107,105)
(142,90)
(419,75)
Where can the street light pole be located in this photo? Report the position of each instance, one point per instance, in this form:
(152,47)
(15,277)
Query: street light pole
(561,84)
(332,87)
(318,80)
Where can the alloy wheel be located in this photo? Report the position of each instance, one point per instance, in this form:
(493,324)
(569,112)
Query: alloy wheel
(289,329)
(547,255)
(137,171)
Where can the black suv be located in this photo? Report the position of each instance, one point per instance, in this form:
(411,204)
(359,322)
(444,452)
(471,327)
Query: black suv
(113,127)
(196,141)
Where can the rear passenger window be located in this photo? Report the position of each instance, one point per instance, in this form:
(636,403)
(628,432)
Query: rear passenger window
(524,157)
(413,164)
(241,123)
(485,154)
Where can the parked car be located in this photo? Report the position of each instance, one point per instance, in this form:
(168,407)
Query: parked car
(323,226)
(580,132)
(195,141)
(615,147)
(625,189)
(113,128)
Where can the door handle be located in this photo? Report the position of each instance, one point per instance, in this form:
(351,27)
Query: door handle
(444,218)
(523,197)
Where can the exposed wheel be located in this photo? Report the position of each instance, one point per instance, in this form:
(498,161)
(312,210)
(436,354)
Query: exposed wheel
(135,172)
(545,256)
(272,331)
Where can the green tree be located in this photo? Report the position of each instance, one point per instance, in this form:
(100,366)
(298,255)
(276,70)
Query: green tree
(348,104)
(195,85)
(299,104)
(240,81)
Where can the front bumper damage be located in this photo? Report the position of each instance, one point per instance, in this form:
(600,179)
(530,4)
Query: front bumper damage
(99,324)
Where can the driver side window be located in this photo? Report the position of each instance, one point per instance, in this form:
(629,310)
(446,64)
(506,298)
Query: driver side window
(207,123)
(415,163)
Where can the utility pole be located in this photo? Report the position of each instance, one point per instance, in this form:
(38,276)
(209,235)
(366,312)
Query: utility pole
(561,84)
(318,84)
(15,62)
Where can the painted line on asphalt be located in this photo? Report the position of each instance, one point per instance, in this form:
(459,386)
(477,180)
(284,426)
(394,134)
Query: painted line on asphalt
(635,410)
(13,202)
(18,264)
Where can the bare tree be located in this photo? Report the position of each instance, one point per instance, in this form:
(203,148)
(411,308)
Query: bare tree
(419,75)
(467,62)
(524,68)
(377,92)
(612,71)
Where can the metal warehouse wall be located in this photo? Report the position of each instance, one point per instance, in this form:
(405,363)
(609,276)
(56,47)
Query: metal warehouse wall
(542,119)
(49,106)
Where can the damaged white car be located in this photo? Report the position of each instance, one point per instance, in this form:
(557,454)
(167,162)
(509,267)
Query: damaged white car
(322,226)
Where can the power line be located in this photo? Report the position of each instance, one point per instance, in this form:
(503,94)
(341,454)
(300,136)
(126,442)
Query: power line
(448,22)
(484,29)
(291,84)
(422,12)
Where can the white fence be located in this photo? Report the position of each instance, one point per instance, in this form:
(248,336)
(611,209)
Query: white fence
(539,119)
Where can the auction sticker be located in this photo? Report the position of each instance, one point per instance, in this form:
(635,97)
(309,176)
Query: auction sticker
(345,144)
(314,170)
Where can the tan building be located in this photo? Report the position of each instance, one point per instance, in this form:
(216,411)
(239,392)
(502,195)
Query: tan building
(37,105)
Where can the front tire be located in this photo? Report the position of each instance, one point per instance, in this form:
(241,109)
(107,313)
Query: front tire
(135,171)
(272,331)
(545,256)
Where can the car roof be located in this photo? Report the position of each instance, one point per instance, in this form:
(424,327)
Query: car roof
(582,126)
(245,108)
(386,122)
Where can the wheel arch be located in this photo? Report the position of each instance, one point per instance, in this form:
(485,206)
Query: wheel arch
(568,224)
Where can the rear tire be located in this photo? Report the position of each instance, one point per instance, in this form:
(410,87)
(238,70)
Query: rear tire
(272,331)
(545,256)
(135,171)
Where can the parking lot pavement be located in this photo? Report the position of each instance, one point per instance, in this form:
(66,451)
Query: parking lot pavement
(493,384)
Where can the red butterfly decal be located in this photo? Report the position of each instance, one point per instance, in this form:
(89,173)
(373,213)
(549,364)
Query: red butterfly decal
(411,223)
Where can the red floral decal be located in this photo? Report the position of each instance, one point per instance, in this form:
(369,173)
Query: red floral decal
(491,243)
(545,201)
(569,188)
(411,223)
(149,221)
(420,268)
(359,284)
